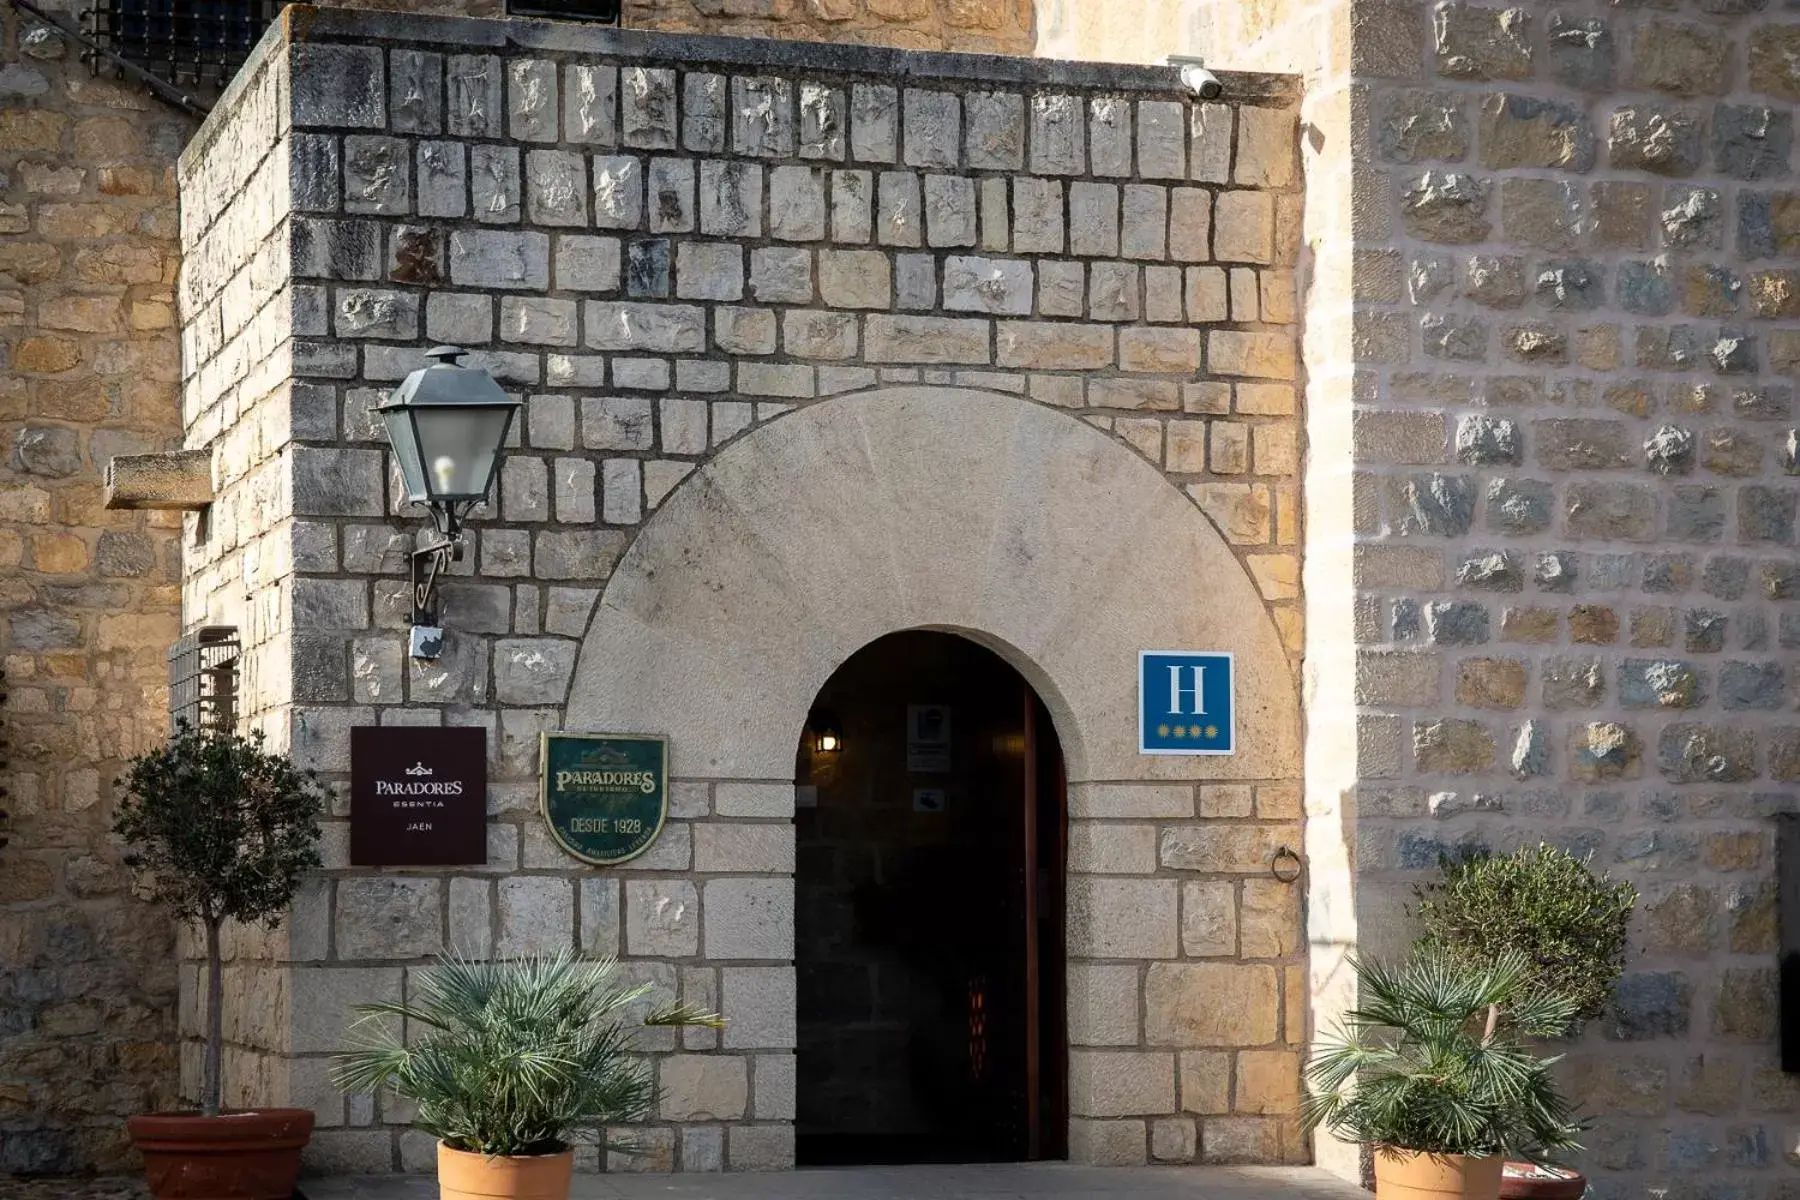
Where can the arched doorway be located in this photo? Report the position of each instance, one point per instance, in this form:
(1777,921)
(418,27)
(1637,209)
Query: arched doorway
(1023,530)
(929,911)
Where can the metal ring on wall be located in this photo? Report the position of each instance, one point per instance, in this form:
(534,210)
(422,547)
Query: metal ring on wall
(1286,874)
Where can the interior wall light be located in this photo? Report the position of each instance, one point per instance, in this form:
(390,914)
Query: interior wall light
(828,735)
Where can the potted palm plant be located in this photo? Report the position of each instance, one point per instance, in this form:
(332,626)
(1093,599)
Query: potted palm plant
(1566,921)
(222,830)
(1433,1071)
(509,1063)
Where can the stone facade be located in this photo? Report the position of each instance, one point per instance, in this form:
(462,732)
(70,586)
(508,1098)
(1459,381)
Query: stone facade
(1574,504)
(1546,311)
(88,597)
(695,260)
(1543,260)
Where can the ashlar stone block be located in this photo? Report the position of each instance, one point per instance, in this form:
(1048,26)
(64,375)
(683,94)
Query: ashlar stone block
(500,259)
(556,187)
(758,1005)
(1211,1004)
(590,96)
(536,914)
(797,204)
(586,264)
(377,175)
(874,123)
(762,116)
(474,108)
(670,184)
(899,213)
(949,210)
(1109,135)
(855,279)
(1112,917)
(933,128)
(823,118)
(532,106)
(662,918)
(618,191)
(647,107)
(443,180)
(704,1087)
(731,198)
(339,86)
(749,918)
(651,328)
(1161,140)
(704,119)
(988,285)
(1121,1083)
(1037,215)
(995,137)
(1103,1004)
(383,918)
(1058,135)
(495,183)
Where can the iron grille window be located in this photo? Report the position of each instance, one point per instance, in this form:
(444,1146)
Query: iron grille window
(604,12)
(203,679)
(189,42)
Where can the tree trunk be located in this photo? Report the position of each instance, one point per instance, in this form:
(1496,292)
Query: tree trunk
(215,1023)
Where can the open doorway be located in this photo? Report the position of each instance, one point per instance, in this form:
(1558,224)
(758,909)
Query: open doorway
(929,916)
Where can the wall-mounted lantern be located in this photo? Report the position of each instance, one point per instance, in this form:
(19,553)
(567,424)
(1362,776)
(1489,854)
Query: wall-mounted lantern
(446,424)
(828,735)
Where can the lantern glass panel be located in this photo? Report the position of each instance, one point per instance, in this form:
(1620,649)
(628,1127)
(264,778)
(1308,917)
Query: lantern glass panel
(406,453)
(457,448)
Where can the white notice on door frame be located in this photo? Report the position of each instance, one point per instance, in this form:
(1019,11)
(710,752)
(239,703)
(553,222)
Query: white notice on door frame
(928,738)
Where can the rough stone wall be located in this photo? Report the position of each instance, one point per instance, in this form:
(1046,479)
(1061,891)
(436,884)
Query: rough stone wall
(972,26)
(659,245)
(237,401)
(1576,343)
(1548,275)
(88,597)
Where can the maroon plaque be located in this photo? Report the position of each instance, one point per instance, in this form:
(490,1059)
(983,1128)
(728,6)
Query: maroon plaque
(418,796)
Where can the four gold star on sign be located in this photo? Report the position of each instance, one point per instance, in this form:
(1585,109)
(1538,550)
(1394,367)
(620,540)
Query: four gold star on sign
(1188,731)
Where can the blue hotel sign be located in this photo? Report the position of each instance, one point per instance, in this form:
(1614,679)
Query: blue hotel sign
(1185,703)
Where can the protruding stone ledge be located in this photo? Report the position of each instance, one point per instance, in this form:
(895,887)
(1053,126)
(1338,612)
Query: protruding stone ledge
(179,479)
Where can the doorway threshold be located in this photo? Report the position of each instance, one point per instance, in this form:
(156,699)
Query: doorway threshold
(1012,1181)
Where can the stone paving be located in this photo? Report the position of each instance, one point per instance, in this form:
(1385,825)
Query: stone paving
(1005,1182)
(75,1187)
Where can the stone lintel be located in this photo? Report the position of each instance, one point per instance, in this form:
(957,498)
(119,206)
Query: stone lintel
(180,479)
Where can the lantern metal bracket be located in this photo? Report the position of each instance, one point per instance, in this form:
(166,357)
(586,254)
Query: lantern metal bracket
(427,641)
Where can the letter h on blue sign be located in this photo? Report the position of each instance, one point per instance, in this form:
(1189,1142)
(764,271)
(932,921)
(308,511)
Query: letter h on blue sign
(1185,703)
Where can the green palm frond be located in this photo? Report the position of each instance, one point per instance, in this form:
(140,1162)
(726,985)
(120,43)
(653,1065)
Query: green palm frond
(510,1058)
(1431,1060)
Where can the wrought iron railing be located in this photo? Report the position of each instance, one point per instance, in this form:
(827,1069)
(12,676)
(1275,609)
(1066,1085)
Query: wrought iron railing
(190,43)
(203,679)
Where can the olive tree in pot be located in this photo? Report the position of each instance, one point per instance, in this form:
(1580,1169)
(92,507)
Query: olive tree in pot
(1433,1070)
(1566,922)
(509,1063)
(222,830)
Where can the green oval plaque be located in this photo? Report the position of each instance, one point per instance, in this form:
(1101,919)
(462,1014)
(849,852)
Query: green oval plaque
(605,795)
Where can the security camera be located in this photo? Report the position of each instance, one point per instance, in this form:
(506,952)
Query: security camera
(1197,79)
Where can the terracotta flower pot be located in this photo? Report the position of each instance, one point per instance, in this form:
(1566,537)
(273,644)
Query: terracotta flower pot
(1527,1181)
(466,1176)
(1409,1175)
(253,1155)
